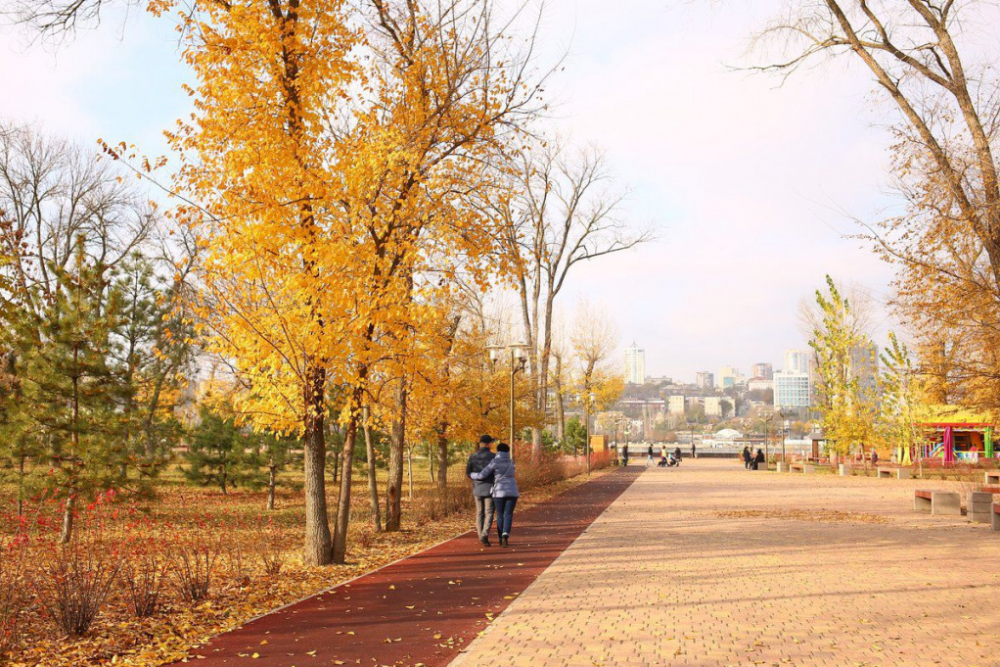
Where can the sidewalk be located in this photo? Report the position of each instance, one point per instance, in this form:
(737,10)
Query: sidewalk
(424,609)
(710,566)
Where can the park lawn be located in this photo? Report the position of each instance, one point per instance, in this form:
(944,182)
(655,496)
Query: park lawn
(245,538)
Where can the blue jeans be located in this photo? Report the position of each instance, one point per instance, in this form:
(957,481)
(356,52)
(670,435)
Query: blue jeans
(505,514)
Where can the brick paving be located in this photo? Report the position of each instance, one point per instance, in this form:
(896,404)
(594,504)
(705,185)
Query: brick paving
(710,564)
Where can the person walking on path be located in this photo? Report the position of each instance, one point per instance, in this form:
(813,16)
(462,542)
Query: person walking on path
(694,450)
(481,488)
(649,455)
(746,457)
(504,490)
(874,458)
(625,455)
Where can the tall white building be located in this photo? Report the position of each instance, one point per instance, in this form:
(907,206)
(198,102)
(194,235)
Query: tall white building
(704,379)
(796,361)
(792,390)
(635,365)
(727,377)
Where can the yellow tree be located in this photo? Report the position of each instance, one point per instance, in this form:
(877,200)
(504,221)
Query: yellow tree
(257,157)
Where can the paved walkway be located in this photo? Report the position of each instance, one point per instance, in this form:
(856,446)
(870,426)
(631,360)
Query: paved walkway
(709,564)
(421,610)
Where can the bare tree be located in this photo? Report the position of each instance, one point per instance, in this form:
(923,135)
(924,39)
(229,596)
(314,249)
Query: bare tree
(564,211)
(925,57)
(62,17)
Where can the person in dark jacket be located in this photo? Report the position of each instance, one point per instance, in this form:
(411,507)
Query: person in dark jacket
(746,457)
(649,455)
(482,488)
(758,460)
(505,492)
(625,455)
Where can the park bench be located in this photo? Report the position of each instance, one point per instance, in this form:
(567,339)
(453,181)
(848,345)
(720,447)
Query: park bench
(991,476)
(996,516)
(898,473)
(937,502)
(805,468)
(980,504)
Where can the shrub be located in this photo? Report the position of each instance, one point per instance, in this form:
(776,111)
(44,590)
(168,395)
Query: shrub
(76,578)
(195,557)
(145,570)
(267,546)
(14,585)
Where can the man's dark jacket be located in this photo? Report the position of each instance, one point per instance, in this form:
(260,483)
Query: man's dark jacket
(477,463)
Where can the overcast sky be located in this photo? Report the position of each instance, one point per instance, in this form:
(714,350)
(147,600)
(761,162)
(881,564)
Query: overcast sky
(752,185)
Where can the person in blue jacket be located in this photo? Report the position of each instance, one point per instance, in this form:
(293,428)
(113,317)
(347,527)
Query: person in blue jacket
(504,490)
(482,489)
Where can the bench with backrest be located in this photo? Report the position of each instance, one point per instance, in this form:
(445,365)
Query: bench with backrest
(991,477)
(937,502)
(898,473)
(805,468)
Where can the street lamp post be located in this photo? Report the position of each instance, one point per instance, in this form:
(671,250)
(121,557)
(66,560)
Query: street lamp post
(782,417)
(588,401)
(767,417)
(518,360)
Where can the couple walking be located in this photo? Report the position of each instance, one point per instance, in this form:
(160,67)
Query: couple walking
(494,486)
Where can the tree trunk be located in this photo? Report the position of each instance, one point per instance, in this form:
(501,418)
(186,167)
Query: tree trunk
(272,477)
(67,524)
(372,476)
(20,486)
(318,541)
(393,510)
(409,469)
(344,501)
(442,456)
(431,461)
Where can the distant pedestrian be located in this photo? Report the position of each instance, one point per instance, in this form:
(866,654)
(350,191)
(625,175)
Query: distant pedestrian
(746,457)
(758,460)
(694,450)
(649,455)
(677,454)
(874,458)
(481,488)
(505,493)
(625,455)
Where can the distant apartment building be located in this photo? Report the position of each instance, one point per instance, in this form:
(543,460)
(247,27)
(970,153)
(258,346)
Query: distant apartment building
(675,405)
(635,365)
(727,377)
(762,371)
(760,384)
(717,406)
(796,361)
(792,390)
(704,379)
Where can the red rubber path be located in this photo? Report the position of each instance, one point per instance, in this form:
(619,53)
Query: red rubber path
(424,609)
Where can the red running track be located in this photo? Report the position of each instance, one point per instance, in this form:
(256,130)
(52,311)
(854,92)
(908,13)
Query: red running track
(424,609)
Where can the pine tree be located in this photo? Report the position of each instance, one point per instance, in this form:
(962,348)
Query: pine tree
(221,454)
(69,392)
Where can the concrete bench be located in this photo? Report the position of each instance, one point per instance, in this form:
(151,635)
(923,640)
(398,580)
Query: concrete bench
(804,468)
(844,469)
(938,502)
(991,477)
(980,504)
(898,473)
(996,517)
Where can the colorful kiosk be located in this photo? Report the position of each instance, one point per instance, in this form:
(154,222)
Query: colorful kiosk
(953,435)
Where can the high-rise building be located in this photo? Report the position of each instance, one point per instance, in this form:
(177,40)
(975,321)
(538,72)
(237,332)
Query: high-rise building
(727,377)
(635,365)
(796,361)
(762,371)
(675,405)
(792,390)
(704,379)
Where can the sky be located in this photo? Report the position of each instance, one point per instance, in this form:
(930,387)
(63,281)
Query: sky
(753,185)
